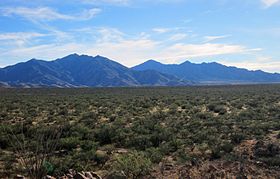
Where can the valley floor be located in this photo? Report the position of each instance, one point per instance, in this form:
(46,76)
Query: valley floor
(164,132)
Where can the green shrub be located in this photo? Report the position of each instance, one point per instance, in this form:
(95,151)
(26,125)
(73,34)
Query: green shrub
(134,164)
(217,108)
(182,156)
(105,134)
(227,147)
(69,143)
(154,154)
(49,168)
(88,145)
(216,153)
(236,138)
(140,142)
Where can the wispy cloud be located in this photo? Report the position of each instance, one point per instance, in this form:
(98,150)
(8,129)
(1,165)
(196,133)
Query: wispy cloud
(213,38)
(178,36)
(20,35)
(161,30)
(180,51)
(19,38)
(269,3)
(45,51)
(111,42)
(88,14)
(109,35)
(47,14)
(114,2)
(128,2)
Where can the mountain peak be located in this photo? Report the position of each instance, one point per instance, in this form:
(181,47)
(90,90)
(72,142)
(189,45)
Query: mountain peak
(33,61)
(153,61)
(73,55)
(186,62)
(150,64)
(99,56)
(69,57)
(214,63)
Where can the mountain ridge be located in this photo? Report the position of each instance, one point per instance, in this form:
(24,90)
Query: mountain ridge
(211,73)
(86,71)
(81,71)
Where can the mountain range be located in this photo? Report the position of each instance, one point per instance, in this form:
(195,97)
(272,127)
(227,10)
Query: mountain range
(87,71)
(82,71)
(210,73)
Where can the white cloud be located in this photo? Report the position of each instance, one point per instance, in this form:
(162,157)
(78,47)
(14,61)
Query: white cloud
(132,51)
(178,36)
(19,38)
(89,14)
(269,3)
(46,52)
(267,64)
(109,35)
(20,35)
(180,51)
(37,14)
(115,2)
(161,30)
(128,50)
(127,2)
(212,38)
(47,14)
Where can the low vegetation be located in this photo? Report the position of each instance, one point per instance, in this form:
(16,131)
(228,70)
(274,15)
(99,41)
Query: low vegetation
(141,132)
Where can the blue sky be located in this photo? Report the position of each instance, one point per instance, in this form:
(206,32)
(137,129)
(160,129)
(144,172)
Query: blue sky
(243,33)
